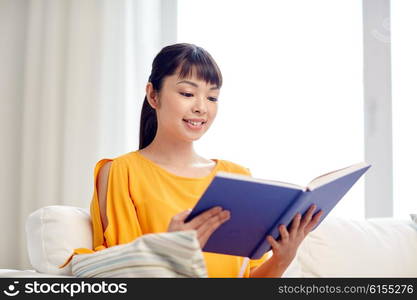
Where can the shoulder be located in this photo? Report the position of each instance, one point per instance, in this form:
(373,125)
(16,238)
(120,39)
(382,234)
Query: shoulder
(126,158)
(121,162)
(234,167)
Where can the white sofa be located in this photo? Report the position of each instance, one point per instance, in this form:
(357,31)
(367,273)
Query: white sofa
(380,247)
(339,247)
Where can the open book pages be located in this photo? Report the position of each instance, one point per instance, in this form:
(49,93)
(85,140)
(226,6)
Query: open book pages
(328,177)
(259,180)
(315,183)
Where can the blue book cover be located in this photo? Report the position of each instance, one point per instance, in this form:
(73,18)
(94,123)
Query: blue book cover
(258,206)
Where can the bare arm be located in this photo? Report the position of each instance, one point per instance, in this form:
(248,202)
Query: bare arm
(103,177)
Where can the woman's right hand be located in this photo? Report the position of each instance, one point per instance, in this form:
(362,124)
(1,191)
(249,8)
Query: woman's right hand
(205,223)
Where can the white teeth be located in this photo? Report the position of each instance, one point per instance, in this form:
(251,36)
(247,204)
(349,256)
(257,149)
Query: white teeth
(194,123)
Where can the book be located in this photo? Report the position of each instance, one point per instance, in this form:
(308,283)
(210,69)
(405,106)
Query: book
(259,206)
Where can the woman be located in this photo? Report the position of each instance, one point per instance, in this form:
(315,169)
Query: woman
(151,190)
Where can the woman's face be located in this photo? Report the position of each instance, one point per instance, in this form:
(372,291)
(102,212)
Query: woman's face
(186,107)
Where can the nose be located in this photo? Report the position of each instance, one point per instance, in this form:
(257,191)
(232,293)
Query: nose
(200,106)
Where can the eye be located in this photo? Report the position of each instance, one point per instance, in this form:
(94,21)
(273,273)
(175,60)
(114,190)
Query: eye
(213,99)
(186,94)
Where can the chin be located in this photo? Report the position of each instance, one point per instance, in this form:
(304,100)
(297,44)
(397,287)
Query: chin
(194,138)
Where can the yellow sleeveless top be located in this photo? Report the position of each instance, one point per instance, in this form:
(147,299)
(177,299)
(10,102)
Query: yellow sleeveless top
(142,197)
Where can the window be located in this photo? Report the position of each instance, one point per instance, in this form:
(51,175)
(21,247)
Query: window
(404,105)
(291,106)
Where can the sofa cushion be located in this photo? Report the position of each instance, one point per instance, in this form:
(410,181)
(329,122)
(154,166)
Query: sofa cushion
(12,273)
(380,247)
(52,232)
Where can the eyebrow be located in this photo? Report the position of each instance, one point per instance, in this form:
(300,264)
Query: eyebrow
(195,84)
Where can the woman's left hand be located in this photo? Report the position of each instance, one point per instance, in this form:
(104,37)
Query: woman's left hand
(285,249)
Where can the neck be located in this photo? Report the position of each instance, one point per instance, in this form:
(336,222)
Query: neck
(172,151)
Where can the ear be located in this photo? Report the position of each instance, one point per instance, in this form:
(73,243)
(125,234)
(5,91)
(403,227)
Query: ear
(152,96)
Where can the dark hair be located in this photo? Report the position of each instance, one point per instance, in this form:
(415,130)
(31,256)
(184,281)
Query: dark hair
(186,57)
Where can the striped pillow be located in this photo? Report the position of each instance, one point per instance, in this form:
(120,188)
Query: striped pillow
(168,254)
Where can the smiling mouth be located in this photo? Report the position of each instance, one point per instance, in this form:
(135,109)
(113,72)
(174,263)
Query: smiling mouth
(195,123)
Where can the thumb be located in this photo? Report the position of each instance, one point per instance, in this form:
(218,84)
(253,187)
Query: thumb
(183,215)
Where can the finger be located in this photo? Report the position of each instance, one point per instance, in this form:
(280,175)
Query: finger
(274,244)
(313,222)
(205,231)
(197,221)
(213,223)
(308,216)
(180,217)
(295,223)
(285,236)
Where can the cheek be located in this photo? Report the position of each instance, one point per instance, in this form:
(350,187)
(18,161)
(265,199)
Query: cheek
(213,118)
(213,111)
(173,110)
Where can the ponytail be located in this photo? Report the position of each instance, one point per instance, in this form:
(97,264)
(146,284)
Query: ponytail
(148,125)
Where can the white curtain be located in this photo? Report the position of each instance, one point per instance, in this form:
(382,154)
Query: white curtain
(72,81)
